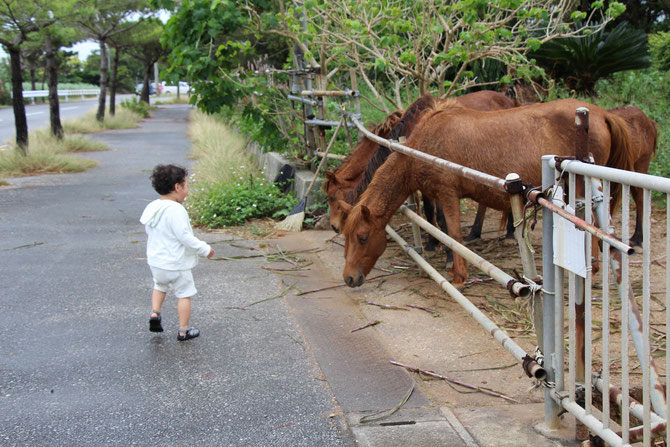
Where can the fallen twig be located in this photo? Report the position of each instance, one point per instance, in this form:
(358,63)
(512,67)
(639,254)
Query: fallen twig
(372,323)
(282,294)
(455,381)
(34,244)
(385,306)
(383,414)
(433,312)
(342,285)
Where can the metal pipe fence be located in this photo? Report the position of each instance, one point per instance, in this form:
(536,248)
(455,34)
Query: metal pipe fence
(588,352)
(598,342)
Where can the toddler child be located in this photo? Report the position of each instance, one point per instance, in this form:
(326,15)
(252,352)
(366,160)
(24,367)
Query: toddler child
(172,249)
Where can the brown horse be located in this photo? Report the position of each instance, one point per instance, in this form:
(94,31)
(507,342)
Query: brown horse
(643,136)
(351,171)
(497,143)
(338,185)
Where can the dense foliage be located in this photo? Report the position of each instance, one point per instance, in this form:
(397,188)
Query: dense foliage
(223,204)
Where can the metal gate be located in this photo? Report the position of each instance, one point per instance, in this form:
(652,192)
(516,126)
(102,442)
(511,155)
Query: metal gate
(596,381)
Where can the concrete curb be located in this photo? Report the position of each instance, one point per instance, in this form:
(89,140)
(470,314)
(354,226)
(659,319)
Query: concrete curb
(272,162)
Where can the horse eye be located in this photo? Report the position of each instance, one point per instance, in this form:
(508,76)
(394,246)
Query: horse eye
(362,239)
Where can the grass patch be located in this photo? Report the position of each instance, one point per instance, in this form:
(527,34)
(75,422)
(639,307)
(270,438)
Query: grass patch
(47,155)
(183,99)
(123,119)
(218,150)
(227,187)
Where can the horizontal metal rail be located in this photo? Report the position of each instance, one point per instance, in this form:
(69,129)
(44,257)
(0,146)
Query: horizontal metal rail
(347,92)
(531,368)
(310,102)
(592,422)
(537,197)
(472,174)
(45,93)
(324,123)
(636,179)
(515,287)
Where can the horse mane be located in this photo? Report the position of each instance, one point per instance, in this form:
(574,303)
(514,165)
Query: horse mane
(382,130)
(404,127)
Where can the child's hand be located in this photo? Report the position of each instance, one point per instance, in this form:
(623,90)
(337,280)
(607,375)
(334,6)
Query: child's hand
(211,253)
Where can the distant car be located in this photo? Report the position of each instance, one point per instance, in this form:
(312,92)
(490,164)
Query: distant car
(184,88)
(140,86)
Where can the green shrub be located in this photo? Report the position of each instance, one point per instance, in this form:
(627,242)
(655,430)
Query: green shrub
(215,205)
(140,107)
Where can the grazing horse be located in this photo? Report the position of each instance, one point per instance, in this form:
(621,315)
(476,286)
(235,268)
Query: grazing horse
(496,143)
(643,137)
(352,169)
(338,187)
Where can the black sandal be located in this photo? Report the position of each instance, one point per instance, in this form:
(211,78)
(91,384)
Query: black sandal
(186,334)
(155,322)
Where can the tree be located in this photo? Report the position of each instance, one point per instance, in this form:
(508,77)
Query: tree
(102,20)
(147,49)
(20,18)
(582,61)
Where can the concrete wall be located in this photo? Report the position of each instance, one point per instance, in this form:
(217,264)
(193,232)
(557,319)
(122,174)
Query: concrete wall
(271,163)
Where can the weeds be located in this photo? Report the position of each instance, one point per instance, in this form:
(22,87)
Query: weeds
(227,186)
(123,119)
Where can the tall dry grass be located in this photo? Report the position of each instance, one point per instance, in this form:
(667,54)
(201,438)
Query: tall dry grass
(48,155)
(123,119)
(218,151)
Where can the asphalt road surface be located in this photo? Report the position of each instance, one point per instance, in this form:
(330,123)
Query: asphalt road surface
(38,114)
(78,365)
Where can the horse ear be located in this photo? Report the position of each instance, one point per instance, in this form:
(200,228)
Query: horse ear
(346,209)
(365,211)
(330,176)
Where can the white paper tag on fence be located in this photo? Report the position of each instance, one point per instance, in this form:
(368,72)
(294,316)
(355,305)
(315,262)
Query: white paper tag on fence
(569,243)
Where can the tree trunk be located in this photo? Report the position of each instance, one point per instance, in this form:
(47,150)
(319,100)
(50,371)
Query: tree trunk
(145,87)
(33,81)
(113,82)
(20,122)
(52,78)
(100,115)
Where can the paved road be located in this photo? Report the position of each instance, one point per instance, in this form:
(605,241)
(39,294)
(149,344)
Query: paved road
(38,114)
(78,365)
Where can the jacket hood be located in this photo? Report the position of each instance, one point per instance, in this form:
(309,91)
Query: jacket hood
(154,211)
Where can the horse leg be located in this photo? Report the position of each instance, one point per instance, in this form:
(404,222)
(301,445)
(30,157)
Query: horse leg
(442,223)
(452,214)
(429,211)
(637,235)
(510,226)
(476,230)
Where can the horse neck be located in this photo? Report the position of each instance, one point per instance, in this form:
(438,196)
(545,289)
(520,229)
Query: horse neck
(355,164)
(390,187)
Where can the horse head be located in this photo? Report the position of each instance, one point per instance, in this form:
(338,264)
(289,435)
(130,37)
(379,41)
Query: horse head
(364,242)
(335,192)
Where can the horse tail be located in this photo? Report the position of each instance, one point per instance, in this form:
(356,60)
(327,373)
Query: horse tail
(621,152)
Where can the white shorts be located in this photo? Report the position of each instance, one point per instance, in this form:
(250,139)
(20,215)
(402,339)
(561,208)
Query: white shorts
(181,281)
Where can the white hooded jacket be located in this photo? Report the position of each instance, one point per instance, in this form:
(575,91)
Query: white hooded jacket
(171,244)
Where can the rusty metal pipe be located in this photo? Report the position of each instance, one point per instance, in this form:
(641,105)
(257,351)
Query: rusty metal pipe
(536,196)
(530,366)
(517,288)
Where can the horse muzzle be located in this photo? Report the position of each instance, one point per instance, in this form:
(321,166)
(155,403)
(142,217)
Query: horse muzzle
(354,281)
(335,229)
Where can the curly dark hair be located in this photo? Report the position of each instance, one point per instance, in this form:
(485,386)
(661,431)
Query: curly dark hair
(165,177)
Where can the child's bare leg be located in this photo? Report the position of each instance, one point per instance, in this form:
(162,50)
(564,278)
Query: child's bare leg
(184,311)
(157,298)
